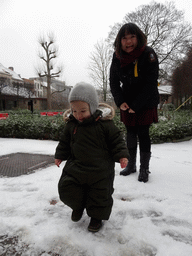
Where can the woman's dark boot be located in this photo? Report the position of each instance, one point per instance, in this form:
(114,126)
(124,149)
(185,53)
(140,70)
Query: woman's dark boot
(131,166)
(144,167)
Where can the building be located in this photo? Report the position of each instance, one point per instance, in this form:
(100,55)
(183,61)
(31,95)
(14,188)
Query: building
(14,92)
(10,75)
(17,92)
(60,94)
(59,91)
(165,93)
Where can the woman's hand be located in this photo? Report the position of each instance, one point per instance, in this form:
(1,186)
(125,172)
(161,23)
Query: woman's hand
(124,106)
(131,111)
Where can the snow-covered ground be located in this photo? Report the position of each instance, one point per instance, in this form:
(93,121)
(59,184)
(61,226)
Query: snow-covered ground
(153,218)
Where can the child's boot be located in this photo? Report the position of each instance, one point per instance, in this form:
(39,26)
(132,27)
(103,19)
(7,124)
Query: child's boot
(76,215)
(131,166)
(94,225)
(144,167)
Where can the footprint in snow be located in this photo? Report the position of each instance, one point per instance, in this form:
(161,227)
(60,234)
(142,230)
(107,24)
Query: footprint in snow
(178,236)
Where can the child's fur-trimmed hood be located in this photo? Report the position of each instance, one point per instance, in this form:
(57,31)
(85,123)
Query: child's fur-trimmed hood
(108,112)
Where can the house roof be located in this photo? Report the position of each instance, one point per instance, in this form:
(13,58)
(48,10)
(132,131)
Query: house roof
(9,73)
(165,89)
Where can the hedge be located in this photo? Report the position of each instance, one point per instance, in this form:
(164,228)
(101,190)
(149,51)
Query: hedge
(172,126)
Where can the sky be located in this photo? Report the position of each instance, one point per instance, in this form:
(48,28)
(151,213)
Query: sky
(147,219)
(77,26)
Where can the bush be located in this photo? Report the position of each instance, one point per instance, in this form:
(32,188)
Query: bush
(168,107)
(173,126)
(31,126)
(22,124)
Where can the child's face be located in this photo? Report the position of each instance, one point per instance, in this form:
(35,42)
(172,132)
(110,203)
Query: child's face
(128,43)
(80,110)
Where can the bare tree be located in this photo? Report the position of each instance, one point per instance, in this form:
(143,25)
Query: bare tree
(182,80)
(99,66)
(166,31)
(48,55)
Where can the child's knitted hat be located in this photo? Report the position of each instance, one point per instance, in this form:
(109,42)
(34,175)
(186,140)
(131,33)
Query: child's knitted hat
(85,92)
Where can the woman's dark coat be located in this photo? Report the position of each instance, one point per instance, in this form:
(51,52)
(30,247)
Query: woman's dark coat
(140,93)
(91,149)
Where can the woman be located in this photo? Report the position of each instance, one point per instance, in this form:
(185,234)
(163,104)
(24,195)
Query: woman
(133,82)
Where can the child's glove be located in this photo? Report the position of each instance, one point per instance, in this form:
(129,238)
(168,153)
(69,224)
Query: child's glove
(123,162)
(58,162)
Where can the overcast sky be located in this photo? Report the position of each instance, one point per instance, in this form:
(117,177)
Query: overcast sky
(77,26)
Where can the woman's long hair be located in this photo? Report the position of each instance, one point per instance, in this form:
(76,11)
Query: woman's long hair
(133,29)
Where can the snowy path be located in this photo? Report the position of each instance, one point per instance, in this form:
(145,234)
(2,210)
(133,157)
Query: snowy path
(147,219)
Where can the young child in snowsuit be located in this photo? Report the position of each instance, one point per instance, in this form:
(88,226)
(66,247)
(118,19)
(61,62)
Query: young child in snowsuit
(91,144)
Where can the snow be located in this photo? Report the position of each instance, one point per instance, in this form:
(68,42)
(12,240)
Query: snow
(23,92)
(8,71)
(153,218)
(165,89)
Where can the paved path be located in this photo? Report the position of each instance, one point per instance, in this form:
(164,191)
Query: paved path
(17,164)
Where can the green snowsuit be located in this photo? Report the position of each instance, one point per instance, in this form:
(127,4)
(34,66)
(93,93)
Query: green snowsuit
(91,149)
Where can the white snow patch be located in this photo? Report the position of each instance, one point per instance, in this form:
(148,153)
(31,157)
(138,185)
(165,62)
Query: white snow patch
(153,218)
